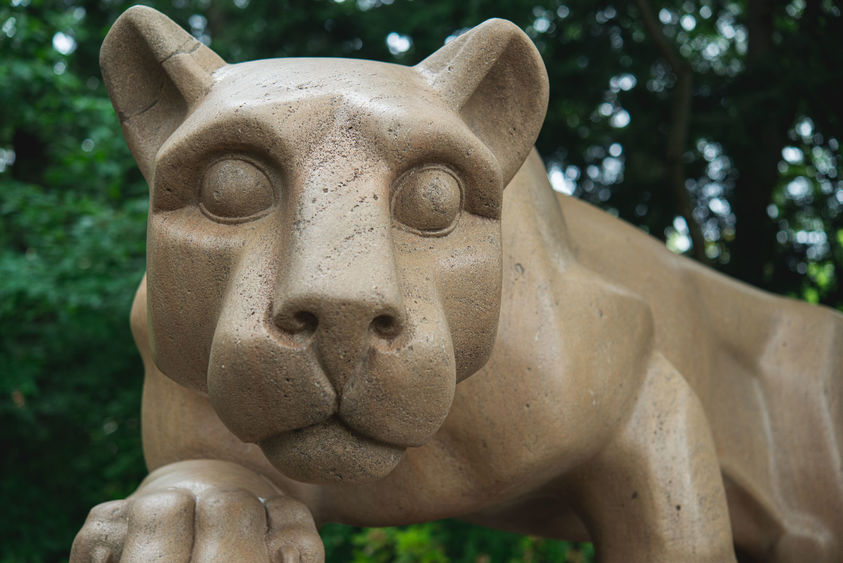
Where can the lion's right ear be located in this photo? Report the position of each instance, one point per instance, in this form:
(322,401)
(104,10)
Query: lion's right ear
(155,72)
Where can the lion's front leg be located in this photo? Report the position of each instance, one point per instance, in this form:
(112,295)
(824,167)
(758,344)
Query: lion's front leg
(201,510)
(655,492)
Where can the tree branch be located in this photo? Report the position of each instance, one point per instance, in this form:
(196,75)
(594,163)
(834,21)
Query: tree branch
(680,122)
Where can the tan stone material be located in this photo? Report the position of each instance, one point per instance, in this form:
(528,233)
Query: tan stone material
(332,254)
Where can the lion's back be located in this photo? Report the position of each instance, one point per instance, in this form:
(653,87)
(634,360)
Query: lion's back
(768,370)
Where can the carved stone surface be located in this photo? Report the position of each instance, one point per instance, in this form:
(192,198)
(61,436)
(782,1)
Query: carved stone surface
(332,254)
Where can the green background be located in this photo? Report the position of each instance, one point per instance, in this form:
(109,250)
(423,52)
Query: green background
(712,125)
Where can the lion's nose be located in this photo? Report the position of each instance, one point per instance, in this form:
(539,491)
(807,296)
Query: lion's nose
(338,287)
(307,314)
(343,333)
(347,301)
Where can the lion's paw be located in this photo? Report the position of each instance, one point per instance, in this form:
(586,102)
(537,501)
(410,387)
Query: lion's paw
(213,525)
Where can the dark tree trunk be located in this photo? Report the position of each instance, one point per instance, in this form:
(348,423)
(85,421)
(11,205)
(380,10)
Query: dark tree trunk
(765,114)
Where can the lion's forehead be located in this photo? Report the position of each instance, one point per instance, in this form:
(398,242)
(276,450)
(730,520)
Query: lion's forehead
(313,114)
(333,85)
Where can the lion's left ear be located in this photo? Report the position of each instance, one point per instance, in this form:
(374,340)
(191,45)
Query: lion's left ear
(495,78)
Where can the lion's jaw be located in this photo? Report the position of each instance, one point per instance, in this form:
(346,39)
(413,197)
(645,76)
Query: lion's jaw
(324,410)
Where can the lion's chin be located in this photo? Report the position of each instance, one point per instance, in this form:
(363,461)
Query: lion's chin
(330,452)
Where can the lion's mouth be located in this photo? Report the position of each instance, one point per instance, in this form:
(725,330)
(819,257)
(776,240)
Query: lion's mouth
(330,451)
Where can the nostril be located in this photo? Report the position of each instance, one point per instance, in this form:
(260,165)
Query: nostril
(304,321)
(386,326)
(296,322)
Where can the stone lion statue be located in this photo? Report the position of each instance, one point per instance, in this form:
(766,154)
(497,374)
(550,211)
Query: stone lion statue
(365,304)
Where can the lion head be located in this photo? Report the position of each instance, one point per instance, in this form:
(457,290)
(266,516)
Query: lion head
(324,254)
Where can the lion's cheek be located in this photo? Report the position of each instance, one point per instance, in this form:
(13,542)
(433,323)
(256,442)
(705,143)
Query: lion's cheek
(470,291)
(259,383)
(260,389)
(189,262)
(403,397)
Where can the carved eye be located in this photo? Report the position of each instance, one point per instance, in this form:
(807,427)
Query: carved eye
(427,200)
(234,191)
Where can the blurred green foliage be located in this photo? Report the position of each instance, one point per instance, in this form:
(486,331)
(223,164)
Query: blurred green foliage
(445,541)
(759,182)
